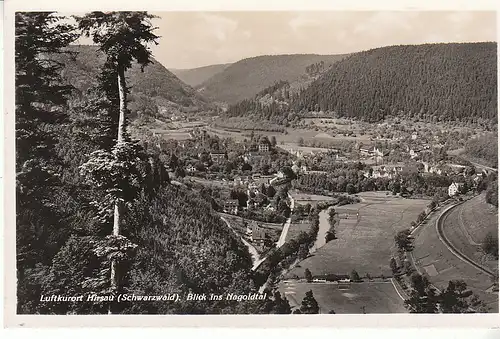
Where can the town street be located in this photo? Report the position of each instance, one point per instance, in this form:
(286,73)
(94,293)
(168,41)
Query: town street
(284,232)
(256,260)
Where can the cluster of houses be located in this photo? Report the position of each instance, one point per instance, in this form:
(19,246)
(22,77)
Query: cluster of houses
(375,152)
(257,235)
(383,171)
(380,154)
(216,157)
(251,152)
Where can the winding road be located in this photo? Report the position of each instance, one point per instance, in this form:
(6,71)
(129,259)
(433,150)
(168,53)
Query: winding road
(256,259)
(286,226)
(253,251)
(284,232)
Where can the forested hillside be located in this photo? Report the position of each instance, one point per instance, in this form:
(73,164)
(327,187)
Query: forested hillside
(196,76)
(247,77)
(483,149)
(435,82)
(96,214)
(440,81)
(155,83)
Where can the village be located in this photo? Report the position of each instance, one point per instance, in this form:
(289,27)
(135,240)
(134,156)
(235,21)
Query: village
(248,175)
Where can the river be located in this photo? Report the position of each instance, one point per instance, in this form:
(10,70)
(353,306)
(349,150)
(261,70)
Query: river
(324,226)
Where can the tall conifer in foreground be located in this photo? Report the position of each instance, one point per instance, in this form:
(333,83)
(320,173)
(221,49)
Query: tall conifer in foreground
(124,38)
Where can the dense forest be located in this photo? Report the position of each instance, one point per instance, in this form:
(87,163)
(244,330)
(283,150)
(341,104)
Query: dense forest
(441,81)
(96,213)
(483,149)
(270,104)
(434,82)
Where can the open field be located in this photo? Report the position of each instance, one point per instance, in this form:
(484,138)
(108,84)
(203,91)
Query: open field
(467,225)
(479,218)
(434,259)
(306,198)
(364,243)
(296,228)
(172,134)
(291,136)
(375,297)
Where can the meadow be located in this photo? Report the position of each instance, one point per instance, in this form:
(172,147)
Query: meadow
(365,236)
(306,198)
(367,297)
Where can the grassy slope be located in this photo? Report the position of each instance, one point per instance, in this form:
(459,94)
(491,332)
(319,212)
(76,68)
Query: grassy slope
(196,76)
(434,259)
(467,225)
(247,77)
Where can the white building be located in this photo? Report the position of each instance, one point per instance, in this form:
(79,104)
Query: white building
(263,147)
(454,188)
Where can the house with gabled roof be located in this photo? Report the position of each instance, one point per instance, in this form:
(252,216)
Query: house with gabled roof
(455,188)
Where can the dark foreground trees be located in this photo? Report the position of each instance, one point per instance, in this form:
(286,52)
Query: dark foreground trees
(40,105)
(309,305)
(456,298)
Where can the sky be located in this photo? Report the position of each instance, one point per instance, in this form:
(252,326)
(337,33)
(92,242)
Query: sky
(195,39)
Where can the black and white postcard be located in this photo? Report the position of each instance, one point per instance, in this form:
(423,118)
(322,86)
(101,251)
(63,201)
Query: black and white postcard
(221,161)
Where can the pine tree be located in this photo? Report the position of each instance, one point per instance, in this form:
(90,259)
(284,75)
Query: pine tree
(309,305)
(423,297)
(123,37)
(308,275)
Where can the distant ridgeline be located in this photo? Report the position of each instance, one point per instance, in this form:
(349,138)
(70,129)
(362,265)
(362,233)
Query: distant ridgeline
(436,82)
(245,78)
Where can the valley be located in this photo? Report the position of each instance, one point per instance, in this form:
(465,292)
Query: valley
(361,182)
(395,168)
